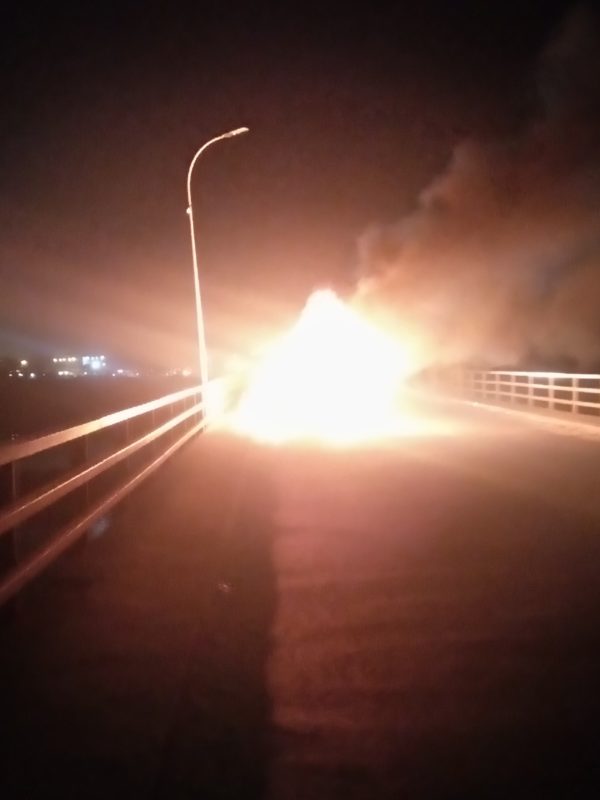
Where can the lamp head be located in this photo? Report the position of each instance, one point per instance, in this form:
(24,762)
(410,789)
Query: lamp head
(236,132)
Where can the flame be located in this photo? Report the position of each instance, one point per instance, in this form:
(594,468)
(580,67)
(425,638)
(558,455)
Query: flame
(333,377)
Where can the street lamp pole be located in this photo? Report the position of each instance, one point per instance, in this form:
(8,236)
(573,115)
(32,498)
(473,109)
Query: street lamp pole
(202,352)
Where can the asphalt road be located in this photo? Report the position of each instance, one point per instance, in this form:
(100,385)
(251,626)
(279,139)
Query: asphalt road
(409,619)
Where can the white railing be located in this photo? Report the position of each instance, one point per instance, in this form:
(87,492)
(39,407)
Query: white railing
(573,393)
(163,426)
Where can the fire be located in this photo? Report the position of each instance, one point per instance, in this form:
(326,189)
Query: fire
(333,377)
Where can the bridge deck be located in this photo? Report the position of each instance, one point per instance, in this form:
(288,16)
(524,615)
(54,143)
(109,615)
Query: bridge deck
(416,621)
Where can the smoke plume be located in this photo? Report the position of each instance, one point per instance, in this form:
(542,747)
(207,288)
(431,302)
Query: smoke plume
(500,262)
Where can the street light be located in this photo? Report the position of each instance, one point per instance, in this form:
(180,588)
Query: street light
(202,354)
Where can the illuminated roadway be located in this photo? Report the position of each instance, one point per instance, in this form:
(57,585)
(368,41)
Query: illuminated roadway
(414,620)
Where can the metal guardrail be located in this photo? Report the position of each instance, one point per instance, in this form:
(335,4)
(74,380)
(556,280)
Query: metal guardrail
(574,393)
(186,416)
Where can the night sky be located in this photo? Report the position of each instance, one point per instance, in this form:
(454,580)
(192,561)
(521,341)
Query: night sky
(351,115)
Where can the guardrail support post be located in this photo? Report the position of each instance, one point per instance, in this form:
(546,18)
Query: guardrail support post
(86,458)
(8,540)
(8,494)
(154,444)
(128,441)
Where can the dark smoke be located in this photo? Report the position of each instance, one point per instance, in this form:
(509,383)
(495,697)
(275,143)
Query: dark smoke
(500,262)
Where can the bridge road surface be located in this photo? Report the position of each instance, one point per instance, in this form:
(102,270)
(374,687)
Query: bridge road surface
(407,620)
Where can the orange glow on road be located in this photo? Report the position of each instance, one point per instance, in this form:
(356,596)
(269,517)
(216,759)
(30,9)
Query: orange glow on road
(333,377)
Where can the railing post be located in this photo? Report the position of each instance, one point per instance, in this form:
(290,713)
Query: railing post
(171,435)
(191,419)
(86,457)
(155,441)
(8,540)
(128,441)
(79,456)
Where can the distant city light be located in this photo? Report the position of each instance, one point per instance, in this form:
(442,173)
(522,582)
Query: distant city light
(185,372)
(85,360)
(73,367)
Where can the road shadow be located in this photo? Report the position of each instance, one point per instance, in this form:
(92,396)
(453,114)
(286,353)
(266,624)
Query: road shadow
(219,746)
